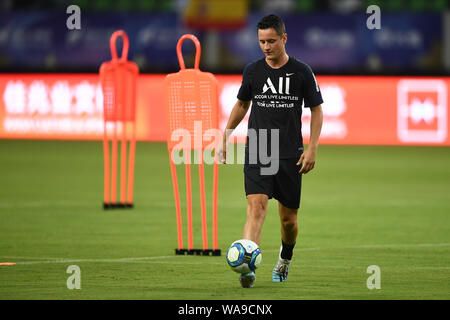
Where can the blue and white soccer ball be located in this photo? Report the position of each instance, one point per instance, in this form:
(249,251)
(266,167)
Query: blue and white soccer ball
(244,256)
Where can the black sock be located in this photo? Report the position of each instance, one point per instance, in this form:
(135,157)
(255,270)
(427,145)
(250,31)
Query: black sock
(287,250)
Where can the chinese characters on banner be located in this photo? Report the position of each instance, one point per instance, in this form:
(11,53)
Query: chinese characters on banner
(357,110)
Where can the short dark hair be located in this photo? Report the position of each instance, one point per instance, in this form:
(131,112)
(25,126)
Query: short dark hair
(272,21)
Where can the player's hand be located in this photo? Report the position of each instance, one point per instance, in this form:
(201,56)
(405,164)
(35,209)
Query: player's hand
(222,152)
(307,161)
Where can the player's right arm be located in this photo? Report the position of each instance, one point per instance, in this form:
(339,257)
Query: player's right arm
(237,114)
(239,110)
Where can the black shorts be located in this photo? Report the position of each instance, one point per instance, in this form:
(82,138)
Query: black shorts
(285,185)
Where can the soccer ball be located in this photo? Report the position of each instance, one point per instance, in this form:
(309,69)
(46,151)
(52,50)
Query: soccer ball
(243,256)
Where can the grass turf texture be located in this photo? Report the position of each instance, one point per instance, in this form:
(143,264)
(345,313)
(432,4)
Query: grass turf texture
(361,206)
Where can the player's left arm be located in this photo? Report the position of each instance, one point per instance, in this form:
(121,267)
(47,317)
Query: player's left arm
(309,156)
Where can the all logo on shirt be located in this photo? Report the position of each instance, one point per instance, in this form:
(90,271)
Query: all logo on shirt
(283,84)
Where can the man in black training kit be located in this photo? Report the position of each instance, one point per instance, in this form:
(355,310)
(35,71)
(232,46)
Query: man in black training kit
(276,86)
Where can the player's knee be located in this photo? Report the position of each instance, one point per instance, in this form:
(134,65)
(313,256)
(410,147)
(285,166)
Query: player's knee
(257,201)
(289,222)
(257,206)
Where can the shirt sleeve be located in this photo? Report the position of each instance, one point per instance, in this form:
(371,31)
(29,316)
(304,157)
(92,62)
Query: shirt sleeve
(245,91)
(312,94)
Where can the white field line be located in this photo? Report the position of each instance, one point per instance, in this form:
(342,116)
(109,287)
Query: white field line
(47,204)
(119,260)
(90,204)
(160,259)
(31,258)
(64,204)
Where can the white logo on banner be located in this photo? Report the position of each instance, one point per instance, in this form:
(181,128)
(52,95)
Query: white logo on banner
(60,108)
(334,106)
(422,111)
(14,97)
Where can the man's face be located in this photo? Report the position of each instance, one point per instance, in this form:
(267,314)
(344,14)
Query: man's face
(271,43)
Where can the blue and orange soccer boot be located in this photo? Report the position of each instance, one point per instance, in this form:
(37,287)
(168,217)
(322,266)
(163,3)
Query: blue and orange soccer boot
(280,271)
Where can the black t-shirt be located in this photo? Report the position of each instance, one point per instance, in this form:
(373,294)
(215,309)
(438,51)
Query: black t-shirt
(277,96)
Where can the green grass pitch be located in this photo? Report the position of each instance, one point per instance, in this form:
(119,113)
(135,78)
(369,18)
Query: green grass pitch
(361,206)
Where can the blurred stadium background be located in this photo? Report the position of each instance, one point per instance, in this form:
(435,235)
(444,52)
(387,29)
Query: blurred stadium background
(329,34)
(380,194)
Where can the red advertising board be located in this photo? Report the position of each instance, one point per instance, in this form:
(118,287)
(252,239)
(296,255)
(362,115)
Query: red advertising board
(357,110)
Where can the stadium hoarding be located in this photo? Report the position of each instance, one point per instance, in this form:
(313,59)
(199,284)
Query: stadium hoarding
(357,109)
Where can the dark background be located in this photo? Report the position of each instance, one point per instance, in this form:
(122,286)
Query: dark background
(331,36)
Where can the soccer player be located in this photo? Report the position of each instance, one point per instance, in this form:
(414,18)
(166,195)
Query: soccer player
(276,86)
